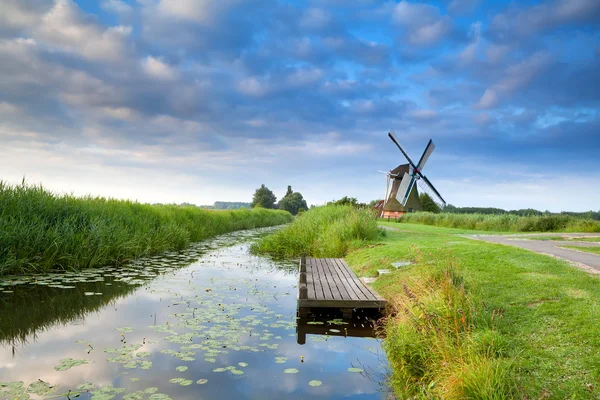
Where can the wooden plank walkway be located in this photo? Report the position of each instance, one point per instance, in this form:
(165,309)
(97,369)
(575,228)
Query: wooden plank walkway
(329,283)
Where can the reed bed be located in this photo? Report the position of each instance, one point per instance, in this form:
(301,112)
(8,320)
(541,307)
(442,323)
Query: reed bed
(505,222)
(41,231)
(441,342)
(327,231)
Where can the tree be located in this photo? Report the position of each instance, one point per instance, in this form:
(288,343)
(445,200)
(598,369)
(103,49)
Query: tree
(293,202)
(428,204)
(348,201)
(263,197)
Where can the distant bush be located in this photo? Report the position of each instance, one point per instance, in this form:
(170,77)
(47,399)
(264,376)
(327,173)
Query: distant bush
(40,231)
(505,222)
(326,231)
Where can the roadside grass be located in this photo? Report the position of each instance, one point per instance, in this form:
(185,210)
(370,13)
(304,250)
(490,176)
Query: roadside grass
(587,249)
(536,316)
(327,231)
(504,223)
(563,238)
(41,231)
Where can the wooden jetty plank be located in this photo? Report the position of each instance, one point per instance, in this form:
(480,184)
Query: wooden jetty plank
(333,279)
(365,288)
(344,294)
(331,284)
(325,280)
(352,282)
(318,279)
(310,283)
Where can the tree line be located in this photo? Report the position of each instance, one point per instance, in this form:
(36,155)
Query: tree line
(293,202)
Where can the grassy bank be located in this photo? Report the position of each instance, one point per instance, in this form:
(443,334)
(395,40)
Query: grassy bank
(40,231)
(327,231)
(484,321)
(504,223)
(590,249)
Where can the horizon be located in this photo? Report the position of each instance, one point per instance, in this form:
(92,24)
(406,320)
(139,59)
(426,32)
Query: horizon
(201,102)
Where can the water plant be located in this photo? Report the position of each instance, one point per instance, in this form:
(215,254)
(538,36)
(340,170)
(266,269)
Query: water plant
(41,231)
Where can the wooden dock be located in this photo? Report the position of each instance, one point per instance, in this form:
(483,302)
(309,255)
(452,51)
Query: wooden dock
(329,283)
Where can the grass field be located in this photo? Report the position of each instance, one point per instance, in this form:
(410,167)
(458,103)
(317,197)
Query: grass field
(564,238)
(590,249)
(40,231)
(327,231)
(480,320)
(505,222)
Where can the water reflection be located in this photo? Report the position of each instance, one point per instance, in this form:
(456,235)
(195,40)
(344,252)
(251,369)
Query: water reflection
(228,318)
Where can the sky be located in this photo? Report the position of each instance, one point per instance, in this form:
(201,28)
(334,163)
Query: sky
(197,101)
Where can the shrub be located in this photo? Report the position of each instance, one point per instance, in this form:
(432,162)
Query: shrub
(326,231)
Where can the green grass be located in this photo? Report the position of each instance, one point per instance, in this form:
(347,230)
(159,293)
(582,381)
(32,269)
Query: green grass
(531,321)
(590,249)
(505,222)
(327,231)
(563,238)
(40,231)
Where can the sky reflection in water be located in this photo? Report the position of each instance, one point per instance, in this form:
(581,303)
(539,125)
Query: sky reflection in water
(226,309)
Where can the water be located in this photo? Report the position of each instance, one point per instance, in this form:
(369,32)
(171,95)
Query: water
(211,322)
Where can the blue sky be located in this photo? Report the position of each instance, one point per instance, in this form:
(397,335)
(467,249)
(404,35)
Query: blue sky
(197,101)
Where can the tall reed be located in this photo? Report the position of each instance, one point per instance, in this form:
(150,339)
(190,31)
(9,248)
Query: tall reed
(505,222)
(41,231)
(327,231)
(441,342)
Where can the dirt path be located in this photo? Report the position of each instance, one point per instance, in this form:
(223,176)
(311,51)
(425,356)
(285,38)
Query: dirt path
(587,261)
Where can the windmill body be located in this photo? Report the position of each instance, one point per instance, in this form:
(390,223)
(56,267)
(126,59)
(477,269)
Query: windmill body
(401,190)
(392,208)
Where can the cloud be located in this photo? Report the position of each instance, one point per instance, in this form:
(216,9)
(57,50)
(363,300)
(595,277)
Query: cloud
(470,52)
(515,77)
(518,21)
(156,68)
(117,6)
(424,23)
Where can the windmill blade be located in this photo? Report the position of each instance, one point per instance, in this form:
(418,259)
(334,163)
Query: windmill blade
(426,184)
(428,150)
(408,181)
(395,140)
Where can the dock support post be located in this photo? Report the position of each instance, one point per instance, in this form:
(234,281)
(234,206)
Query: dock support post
(302,289)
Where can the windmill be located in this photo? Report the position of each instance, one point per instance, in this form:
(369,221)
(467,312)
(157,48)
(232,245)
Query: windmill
(402,196)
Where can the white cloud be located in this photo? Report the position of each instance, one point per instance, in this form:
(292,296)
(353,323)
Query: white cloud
(423,22)
(314,19)
(156,68)
(201,11)
(117,6)
(515,77)
(65,27)
(530,20)
(253,87)
(469,53)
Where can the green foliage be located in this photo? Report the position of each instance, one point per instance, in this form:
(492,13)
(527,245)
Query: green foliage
(40,231)
(293,202)
(525,212)
(544,315)
(428,204)
(230,205)
(348,201)
(326,231)
(263,198)
(504,222)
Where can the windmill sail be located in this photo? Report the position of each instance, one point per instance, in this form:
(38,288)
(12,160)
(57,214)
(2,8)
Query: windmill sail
(408,181)
(428,150)
(427,187)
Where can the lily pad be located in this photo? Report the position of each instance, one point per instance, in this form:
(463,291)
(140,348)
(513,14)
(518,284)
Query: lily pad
(68,363)
(243,364)
(355,370)
(182,368)
(201,381)
(290,371)
(315,383)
